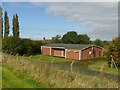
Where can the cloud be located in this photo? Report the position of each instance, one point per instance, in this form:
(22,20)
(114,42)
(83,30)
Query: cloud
(59,1)
(100,18)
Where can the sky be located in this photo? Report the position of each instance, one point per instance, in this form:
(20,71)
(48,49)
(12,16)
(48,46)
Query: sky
(47,19)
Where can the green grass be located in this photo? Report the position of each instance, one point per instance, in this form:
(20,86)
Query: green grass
(104,63)
(93,64)
(0,75)
(49,58)
(13,80)
(21,73)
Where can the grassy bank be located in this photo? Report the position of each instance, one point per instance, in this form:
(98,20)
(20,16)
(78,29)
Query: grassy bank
(93,64)
(34,74)
(11,79)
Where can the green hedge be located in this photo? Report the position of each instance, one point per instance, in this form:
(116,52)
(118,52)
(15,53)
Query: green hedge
(20,46)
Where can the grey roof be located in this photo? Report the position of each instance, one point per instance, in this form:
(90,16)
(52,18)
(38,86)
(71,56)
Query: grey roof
(69,46)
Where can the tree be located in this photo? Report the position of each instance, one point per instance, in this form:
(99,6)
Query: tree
(83,39)
(20,46)
(98,42)
(73,38)
(13,45)
(1,23)
(15,26)
(70,37)
(2,29)
(6,25)
(114,53)
(56,39)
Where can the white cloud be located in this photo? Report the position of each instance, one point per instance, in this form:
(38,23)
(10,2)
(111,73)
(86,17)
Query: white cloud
(100,18)
(59,1)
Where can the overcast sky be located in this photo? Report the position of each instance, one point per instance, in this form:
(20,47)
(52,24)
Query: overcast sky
(38,20)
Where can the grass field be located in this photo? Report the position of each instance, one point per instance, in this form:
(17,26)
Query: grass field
(0,75)
(12,79)
(93,64)
(49,58)
(21,73)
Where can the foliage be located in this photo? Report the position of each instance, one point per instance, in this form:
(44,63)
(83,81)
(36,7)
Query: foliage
(16,45)
(32,47)
(13,45)
(15,26)
(6,25)
(114,51)
(2,29)
(1,23)
(50,76)
(73,38)
(70,37)
(92,64)
(98,42)
(20,46)
(56,39)
(83,39)
(18,79)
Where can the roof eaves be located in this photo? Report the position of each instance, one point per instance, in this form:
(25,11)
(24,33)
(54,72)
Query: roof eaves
(86,47)
(59,47)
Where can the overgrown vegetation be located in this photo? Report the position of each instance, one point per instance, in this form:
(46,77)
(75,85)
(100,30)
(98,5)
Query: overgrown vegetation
(92,64)
(18,79)
(72,37)
(50,76)
(13,45)
(113,54)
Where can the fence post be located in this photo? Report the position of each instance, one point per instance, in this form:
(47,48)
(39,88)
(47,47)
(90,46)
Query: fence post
(30,56)
(113,62)
(101,70)
(51,62)
(71,66)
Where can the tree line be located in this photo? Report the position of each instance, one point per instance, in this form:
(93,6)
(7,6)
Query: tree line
(72,37)
(13,44)
(15,26)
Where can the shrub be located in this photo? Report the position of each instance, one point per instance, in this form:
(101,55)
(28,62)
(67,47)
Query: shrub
(20,46)
(114,51)
(13,45)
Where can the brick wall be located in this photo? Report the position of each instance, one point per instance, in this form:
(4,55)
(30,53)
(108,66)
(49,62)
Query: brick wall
(58,52)
(46,50)
(72,54)
(88,53)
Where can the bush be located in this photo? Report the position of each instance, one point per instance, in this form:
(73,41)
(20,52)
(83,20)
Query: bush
(13,45)
(20,46)
(114,51)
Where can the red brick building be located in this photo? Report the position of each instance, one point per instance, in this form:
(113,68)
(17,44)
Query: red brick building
(73,51)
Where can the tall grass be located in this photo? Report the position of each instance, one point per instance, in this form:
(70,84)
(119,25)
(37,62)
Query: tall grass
(92,64)
(53,77)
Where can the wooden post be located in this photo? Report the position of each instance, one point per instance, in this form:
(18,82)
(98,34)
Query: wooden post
(113,62)
(51,62)
(71,65)
(101,70)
